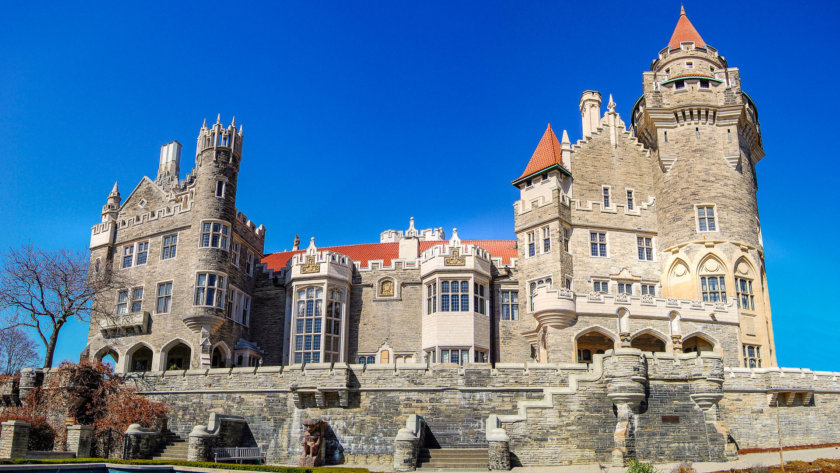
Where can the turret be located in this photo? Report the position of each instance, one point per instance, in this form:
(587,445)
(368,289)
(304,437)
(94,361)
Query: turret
(112,205)
(590,111)
(703,131)
(217,159)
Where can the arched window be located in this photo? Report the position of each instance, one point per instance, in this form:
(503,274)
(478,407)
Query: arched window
(648,342)
(697,344)
(592,342)
(744,286)
(140,359)
(713,281)
(178,357)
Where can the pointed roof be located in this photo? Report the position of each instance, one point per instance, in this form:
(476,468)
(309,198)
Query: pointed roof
(548,154)
(685,31)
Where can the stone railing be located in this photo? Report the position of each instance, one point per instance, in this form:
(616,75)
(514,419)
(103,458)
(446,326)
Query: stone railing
(141,443)
(137,321)
(220,431)
(407,443)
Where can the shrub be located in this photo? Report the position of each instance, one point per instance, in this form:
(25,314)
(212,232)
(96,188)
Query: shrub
(635,466)
(225,466)
(759,469)
(41,433)
(684,468)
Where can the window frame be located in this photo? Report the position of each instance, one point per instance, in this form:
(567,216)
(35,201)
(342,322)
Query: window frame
(606,194)
(751,353)
(600,252)
(705,219)
(631,198)
(511,303)
(648,289)
(644,247)
(531,245)
(625,288)
(601,286)
(220,292)
(221,188)
(134,252)
(545,232)
(706,290)
(223,237)
(171,249)
(167,298)
(748,294)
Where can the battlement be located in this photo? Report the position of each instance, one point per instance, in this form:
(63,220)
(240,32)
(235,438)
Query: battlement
(258,231)
(218,136)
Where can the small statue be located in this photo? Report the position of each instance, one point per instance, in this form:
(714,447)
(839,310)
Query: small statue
(313,443)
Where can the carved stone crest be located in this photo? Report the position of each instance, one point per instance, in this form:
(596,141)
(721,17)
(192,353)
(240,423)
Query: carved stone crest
(311,266)
(455,258)
(386,288)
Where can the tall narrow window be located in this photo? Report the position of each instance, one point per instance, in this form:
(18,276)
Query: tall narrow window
(713,288)
(136,299)
(220,188)
(249,263)
(170,244)
(645,247)
(706,218)
(666,136)
(209,290)
(546,236)
(431,298)
(479,298)
(128,256)
(122,302)
(606,197)
(697,132)
(164,297)
(214,235)
(629,199)
(728,135)
(308,325)
(744,290)
(533,289)
(235,252)
(332,331)
(532,244)
(567,234)
(598,244)
(142,252)
(510,305)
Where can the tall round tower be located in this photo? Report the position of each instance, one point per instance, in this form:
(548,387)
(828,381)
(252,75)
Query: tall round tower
(704,130)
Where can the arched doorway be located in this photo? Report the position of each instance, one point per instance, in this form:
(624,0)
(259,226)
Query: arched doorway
(648,342)
(592,343)
(219,358)
(697,344)
(140,359)
(108,356)
(178,357)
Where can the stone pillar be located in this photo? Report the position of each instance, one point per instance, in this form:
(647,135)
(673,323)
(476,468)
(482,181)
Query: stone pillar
(625,370)
(30,378)
(14,439)
(79,438)
(676,343)
(139,443)
(201,444)
(405,451)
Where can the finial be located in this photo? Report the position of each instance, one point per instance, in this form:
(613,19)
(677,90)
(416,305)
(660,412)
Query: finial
(204,125)
(611,104)
(240,129)
(296,244)
(233,121)
(682,10)
(311,245)
(116,189)
(565,140)
(411,223)
(218,118)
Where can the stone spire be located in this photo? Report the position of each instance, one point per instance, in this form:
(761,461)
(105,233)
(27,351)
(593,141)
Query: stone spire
(296,244)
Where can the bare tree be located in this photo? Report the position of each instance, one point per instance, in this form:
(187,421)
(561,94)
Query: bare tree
(17,350)
(44,290)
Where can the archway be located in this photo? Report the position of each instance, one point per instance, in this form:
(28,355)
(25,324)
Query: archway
(590,343)
(219,358)
(178,357)
(108,356)
(697,344)
(648,342)
(140,359)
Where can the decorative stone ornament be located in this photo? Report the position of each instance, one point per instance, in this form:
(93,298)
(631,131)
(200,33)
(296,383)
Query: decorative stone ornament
(312,443)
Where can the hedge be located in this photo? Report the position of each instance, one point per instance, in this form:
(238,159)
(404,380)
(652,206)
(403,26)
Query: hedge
(226,466)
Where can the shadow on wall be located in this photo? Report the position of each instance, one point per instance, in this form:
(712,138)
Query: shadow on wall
(333,450)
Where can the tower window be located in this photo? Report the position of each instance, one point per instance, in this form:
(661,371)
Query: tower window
(209,290)
(689,65)
(645,246)
(606,197)
(666,136)
(598,244)
(546,235)
(729,135)
(214,235)
(629,199)
(713,288)
(706,220)
(567,235)
(744,292)
(308,325)
(220,189)
(704,84)
(532,245)
(752,356)
(680,84)
(697,132)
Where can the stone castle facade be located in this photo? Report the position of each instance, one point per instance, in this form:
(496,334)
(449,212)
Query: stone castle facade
(635,282)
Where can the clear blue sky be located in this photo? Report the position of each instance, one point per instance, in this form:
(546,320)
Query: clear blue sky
(358,115)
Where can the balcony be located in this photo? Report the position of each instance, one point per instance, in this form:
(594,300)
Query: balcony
(554,307)
(135,322)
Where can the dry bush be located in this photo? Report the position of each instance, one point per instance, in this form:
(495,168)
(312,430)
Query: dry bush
(684,468)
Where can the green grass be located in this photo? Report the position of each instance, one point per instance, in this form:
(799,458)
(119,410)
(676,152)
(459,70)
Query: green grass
(226,466)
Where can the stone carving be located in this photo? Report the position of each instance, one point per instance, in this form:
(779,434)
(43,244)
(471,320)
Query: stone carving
(625,339)
(313,443)
(676,343)
(622,298)
(386,288)
(595,297)
(647,299)
(455,258)
(311,266)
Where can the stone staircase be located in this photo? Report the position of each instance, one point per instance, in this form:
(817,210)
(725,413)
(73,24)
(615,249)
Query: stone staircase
(175,448)
(452,459)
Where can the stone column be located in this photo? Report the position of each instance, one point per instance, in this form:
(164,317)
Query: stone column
(405,451)
(625,370)
(14,439)
(201,444)
(79,438)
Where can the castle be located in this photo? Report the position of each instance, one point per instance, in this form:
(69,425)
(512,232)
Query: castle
(637,248)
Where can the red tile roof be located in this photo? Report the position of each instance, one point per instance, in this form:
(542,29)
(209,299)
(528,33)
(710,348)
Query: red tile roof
(365,252)
(685,32)
(547,154)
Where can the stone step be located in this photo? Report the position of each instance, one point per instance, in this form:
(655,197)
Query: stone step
(477,458)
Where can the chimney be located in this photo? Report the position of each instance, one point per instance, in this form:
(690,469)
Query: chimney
(590,111)
(170,162)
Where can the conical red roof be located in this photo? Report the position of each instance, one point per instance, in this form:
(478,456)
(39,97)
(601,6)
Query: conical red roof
(685,31)
(546,155)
